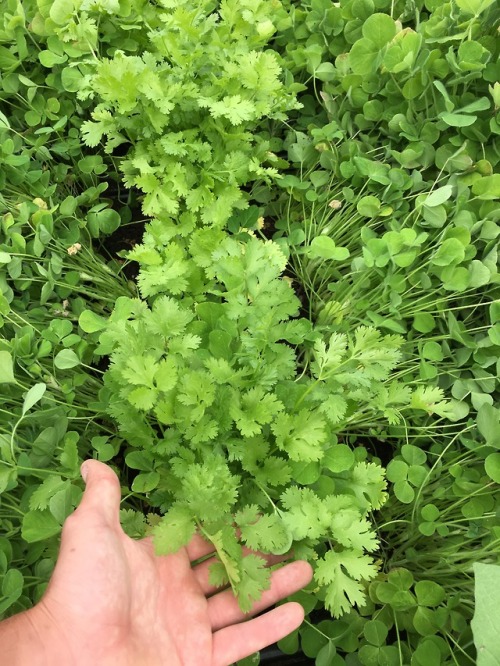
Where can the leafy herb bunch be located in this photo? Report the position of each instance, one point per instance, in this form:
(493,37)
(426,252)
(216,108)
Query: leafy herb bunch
(233,407)
(184,106)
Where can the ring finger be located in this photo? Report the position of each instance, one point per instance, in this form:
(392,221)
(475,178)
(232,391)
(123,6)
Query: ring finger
(223,608)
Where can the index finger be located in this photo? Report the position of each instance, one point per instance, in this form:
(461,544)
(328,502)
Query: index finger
(199,548)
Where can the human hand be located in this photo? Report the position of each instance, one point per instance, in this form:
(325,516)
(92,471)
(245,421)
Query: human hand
(112,601)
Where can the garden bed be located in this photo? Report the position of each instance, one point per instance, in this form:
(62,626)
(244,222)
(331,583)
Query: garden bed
(249,257)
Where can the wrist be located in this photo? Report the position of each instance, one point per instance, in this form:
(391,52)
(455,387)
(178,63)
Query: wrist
(20,642)
(27,639)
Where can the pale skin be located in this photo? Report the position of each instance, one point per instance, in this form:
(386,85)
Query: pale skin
(112,602)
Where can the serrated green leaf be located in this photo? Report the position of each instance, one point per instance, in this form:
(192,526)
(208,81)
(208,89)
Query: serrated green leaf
(341,573)
(174,531)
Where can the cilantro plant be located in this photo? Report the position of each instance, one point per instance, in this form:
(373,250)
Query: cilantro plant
(185,105)
(316,294)
(390,219)
(235,407)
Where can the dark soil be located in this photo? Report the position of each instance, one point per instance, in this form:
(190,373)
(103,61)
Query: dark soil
(272,656)
(124,238)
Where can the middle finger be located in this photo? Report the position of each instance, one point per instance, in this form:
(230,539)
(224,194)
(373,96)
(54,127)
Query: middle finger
(202,570)
(223,608)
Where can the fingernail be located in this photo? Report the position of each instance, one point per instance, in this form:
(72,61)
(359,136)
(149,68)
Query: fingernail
(84,472)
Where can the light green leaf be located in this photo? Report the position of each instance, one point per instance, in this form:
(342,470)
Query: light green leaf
(487,187)
(321,247)
(49,59)
(4,121)
(90,322)
(481,104)
(145,483)
(455,278)
(325,72)
(486,621)
(105,221)
(368,206)
(451,251)
(305,473)
(27,82)
(439,196)
(475,7)
(66,359)
(379,29)
(424,322)
(339,458)
(404,492)
(61,11)
(492,466)
(12,584)
(39,525)
(340,254)
(173,531)
(6,368)
(34,395)
(448,103)
(488,424)
(432,351)
(71,79)
(457,119)
(479,274)
(363,57)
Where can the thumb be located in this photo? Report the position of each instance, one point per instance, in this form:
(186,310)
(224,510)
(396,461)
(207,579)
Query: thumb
(102,493)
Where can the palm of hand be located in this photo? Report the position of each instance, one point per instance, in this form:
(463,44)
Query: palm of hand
(112,601)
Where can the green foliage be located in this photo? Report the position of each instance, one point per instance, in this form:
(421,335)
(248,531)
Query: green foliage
(418,79)
(391,166)
(48,272)
(254,386)
(485,621)
(211,391)
(187,103)
(420,604)
(47,425)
